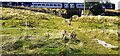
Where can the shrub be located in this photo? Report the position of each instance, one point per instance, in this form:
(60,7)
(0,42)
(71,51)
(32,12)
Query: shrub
(18,44)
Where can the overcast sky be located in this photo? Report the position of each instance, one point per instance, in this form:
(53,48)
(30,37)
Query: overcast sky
(113,1)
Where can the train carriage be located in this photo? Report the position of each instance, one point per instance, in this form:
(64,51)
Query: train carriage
(46,5)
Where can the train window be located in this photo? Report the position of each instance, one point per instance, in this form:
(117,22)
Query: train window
(47,4)
(55,5)
(51,5)
(43,4)
(35,4)
(79,5)
(59,5)
(39,4)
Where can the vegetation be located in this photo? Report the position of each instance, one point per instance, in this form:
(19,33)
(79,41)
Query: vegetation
(26,31)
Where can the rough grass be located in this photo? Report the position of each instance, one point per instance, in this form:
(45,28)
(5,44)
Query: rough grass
(35,40)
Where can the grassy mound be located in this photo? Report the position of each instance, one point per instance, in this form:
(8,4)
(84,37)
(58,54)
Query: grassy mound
(26,31)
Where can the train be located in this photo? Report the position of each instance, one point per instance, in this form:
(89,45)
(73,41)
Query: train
(59,5)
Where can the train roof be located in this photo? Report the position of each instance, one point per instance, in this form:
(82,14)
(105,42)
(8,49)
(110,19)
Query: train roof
(43,2)
(59,1)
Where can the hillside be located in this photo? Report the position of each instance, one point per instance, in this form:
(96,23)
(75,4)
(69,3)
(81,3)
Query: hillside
(25,31)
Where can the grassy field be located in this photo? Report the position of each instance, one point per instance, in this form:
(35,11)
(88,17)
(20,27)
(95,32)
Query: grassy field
(17,37)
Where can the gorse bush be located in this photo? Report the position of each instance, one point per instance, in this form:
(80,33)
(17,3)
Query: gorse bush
(18,44)
(99,19)
(18,19)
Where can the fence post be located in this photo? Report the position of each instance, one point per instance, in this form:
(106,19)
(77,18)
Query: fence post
(26,28)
